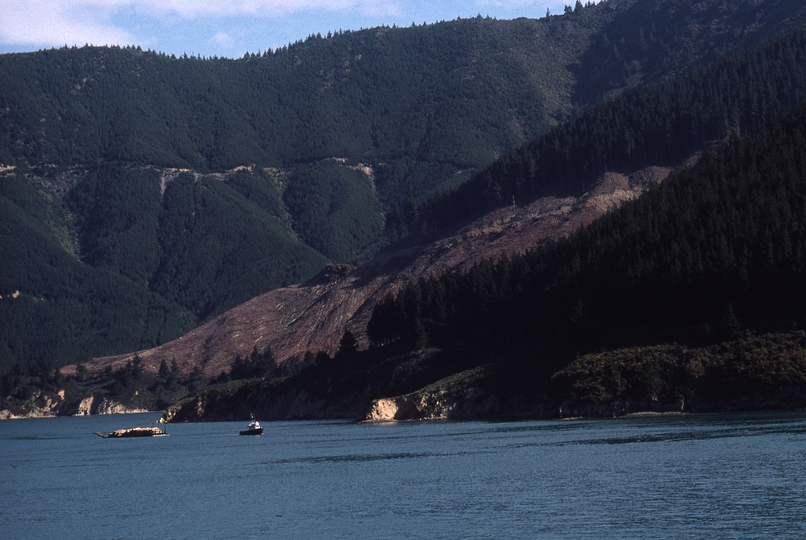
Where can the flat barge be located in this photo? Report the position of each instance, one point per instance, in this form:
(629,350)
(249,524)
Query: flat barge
(132,432)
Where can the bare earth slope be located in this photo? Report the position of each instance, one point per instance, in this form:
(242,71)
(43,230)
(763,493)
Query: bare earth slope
(313,316)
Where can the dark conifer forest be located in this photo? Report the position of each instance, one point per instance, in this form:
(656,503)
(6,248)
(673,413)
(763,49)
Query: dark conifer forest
(718,249)
(690,297)
(661,124)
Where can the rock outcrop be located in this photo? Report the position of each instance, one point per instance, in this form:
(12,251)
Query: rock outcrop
(39,405)
(455,398)
(49,404)
(85,406)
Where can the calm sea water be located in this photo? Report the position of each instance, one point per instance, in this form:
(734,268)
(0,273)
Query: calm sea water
(718,476)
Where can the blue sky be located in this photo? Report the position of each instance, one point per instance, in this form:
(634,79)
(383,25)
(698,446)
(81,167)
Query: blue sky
(226,28)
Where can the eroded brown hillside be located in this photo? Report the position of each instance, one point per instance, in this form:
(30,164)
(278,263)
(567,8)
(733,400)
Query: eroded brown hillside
(313,316)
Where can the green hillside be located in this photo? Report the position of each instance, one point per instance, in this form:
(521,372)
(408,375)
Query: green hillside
(143,194)
(662,124)
(53,306)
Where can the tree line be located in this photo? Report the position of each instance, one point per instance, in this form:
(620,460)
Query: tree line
(657,125)
(719,248)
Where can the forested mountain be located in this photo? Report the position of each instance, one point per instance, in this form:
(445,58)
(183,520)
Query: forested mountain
(655,125)
(143,194)
(715,255)
(719,243)
(689,298)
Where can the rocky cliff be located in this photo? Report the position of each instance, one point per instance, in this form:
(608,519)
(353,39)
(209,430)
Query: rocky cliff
(49,404)
(459,397)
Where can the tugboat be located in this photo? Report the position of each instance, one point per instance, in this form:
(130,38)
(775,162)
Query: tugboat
(254,428)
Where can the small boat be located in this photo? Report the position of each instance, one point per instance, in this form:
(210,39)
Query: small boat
(254,428)
(132,432)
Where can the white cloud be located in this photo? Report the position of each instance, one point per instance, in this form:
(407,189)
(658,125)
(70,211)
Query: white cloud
(59,22)
(265,8)
(224,40)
